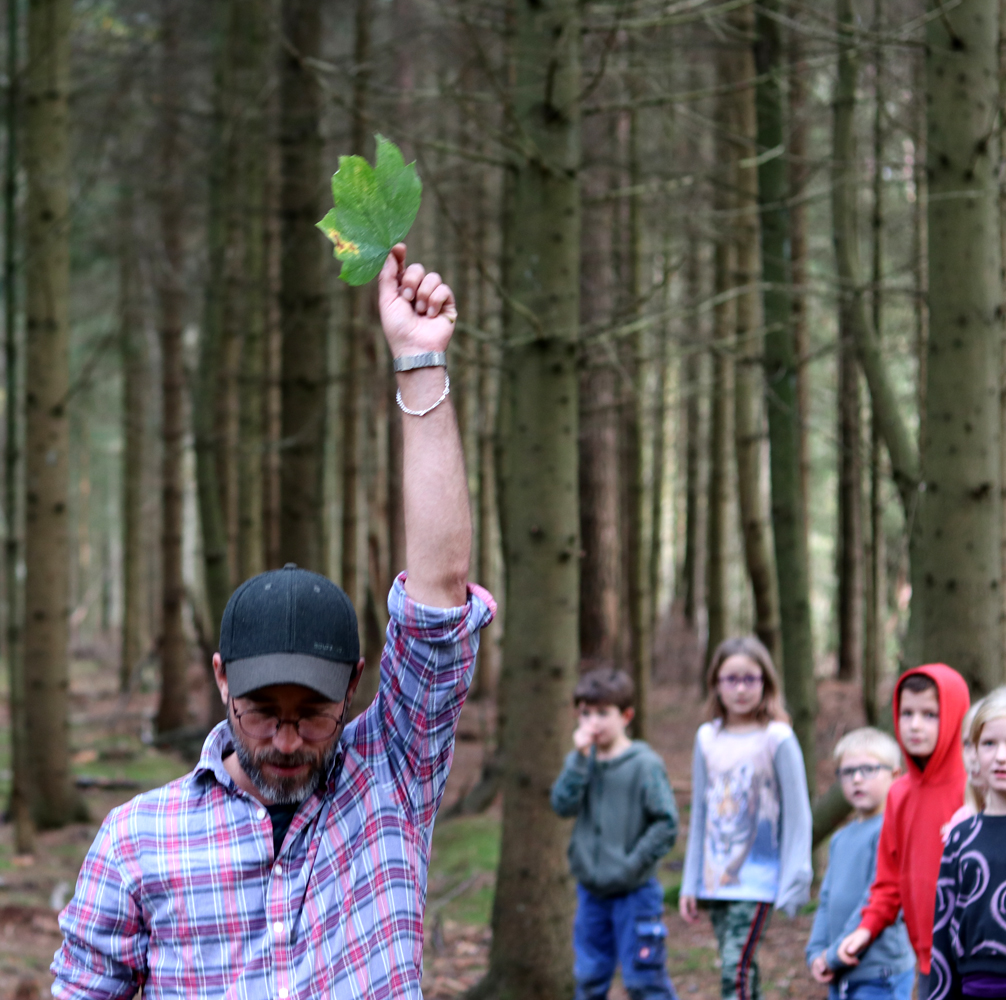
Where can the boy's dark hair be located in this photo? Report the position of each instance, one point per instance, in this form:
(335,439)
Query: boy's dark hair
(917,683)
(606,686)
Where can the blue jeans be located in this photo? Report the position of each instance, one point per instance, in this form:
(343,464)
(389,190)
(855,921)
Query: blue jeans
(626,930)
(897,987)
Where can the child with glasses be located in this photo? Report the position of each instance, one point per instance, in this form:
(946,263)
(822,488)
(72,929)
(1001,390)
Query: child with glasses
(867,761)
(749,838)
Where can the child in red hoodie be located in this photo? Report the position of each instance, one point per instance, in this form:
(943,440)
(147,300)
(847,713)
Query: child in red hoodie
(929,705)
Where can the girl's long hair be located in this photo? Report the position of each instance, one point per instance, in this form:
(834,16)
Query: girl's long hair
(771,707)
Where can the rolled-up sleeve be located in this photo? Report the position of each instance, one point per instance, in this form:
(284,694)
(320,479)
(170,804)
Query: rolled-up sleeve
(426,669)
(105,938)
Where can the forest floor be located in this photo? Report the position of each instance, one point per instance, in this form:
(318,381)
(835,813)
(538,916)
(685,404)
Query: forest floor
(114,759)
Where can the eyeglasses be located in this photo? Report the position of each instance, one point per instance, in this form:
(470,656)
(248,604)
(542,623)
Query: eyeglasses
(259,724)
(745,680)
(866,770)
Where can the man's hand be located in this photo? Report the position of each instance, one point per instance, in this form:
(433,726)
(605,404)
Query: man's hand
(688,907)
(849,949)
(820,971)
(418,311)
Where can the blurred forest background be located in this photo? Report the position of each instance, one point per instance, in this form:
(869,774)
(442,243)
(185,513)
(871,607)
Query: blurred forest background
(730,359)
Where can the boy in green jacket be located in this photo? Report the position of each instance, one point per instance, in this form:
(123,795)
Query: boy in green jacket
(626,821)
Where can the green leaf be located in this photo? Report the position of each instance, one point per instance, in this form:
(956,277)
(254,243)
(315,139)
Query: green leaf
(374,209)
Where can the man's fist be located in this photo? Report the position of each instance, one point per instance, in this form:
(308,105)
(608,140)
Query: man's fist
(418,311)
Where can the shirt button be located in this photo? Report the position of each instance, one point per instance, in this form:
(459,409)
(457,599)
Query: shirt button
(283,993)
(278,870)
(277,927)
(261,813)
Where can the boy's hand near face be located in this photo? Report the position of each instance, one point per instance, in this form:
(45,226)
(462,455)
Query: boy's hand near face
(584,736)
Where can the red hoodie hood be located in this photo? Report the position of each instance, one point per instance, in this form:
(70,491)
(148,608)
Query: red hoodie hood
(946,765)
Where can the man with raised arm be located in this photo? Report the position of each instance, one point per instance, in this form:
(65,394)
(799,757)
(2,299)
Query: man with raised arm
(291,863)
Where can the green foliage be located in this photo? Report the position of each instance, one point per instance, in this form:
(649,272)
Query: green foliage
(374,209)
(463,866)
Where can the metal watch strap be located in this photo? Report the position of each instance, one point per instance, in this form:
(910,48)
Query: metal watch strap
(431,359)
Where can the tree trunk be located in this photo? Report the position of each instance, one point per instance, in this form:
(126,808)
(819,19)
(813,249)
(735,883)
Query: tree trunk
(640,536)
(172,712)
(799,174)
(956,567)
(530,955)
(303,299)
(780,373)
(211,342)
(251,35)
(850,475)
(719,507)
(356,371)
(20,813)
(721,433)
(602,637)
(54,801)
(693,565)
(749,383)
(135,392)
(876,577)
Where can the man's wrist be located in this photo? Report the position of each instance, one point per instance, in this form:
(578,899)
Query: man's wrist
(428,359)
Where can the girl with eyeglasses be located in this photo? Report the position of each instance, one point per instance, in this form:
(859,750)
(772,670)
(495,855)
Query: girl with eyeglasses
(749,839)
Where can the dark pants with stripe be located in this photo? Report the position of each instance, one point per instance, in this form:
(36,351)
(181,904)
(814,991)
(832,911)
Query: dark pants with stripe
(739,925)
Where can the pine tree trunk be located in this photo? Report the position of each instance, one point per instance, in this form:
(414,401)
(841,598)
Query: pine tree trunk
(798,178)
(54,801)
(135,392)
(638,432)
(356,371)
(206,426)
(18,808)
(721,433)
(1002,271)
(250,31)
(530,955)
(303,299)
(693,565)
(876,576)
(780,373)
(601,632)
(749,382)
(850,431)
(956,539)
(171,300)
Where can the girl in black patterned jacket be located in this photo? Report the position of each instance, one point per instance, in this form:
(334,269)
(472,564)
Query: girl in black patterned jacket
(969,930)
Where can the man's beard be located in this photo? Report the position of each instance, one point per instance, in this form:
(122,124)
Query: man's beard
(283,791)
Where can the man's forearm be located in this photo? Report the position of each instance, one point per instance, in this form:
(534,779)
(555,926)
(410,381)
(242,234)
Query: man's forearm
(438,531)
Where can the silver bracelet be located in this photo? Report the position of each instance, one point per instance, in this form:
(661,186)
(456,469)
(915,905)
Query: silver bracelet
(431,359)
(422,413)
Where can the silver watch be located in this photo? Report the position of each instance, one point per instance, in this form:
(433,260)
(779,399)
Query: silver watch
(431,359)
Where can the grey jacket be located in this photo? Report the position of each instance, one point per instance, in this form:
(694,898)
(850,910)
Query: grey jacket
(852,864)
(626,817)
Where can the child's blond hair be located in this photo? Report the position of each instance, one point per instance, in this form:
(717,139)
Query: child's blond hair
(992,706)
(871,741)
(974,797)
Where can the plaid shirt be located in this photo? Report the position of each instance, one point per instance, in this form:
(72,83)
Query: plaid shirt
(181,893)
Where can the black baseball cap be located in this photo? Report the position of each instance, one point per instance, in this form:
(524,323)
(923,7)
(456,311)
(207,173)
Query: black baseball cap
(289,626)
